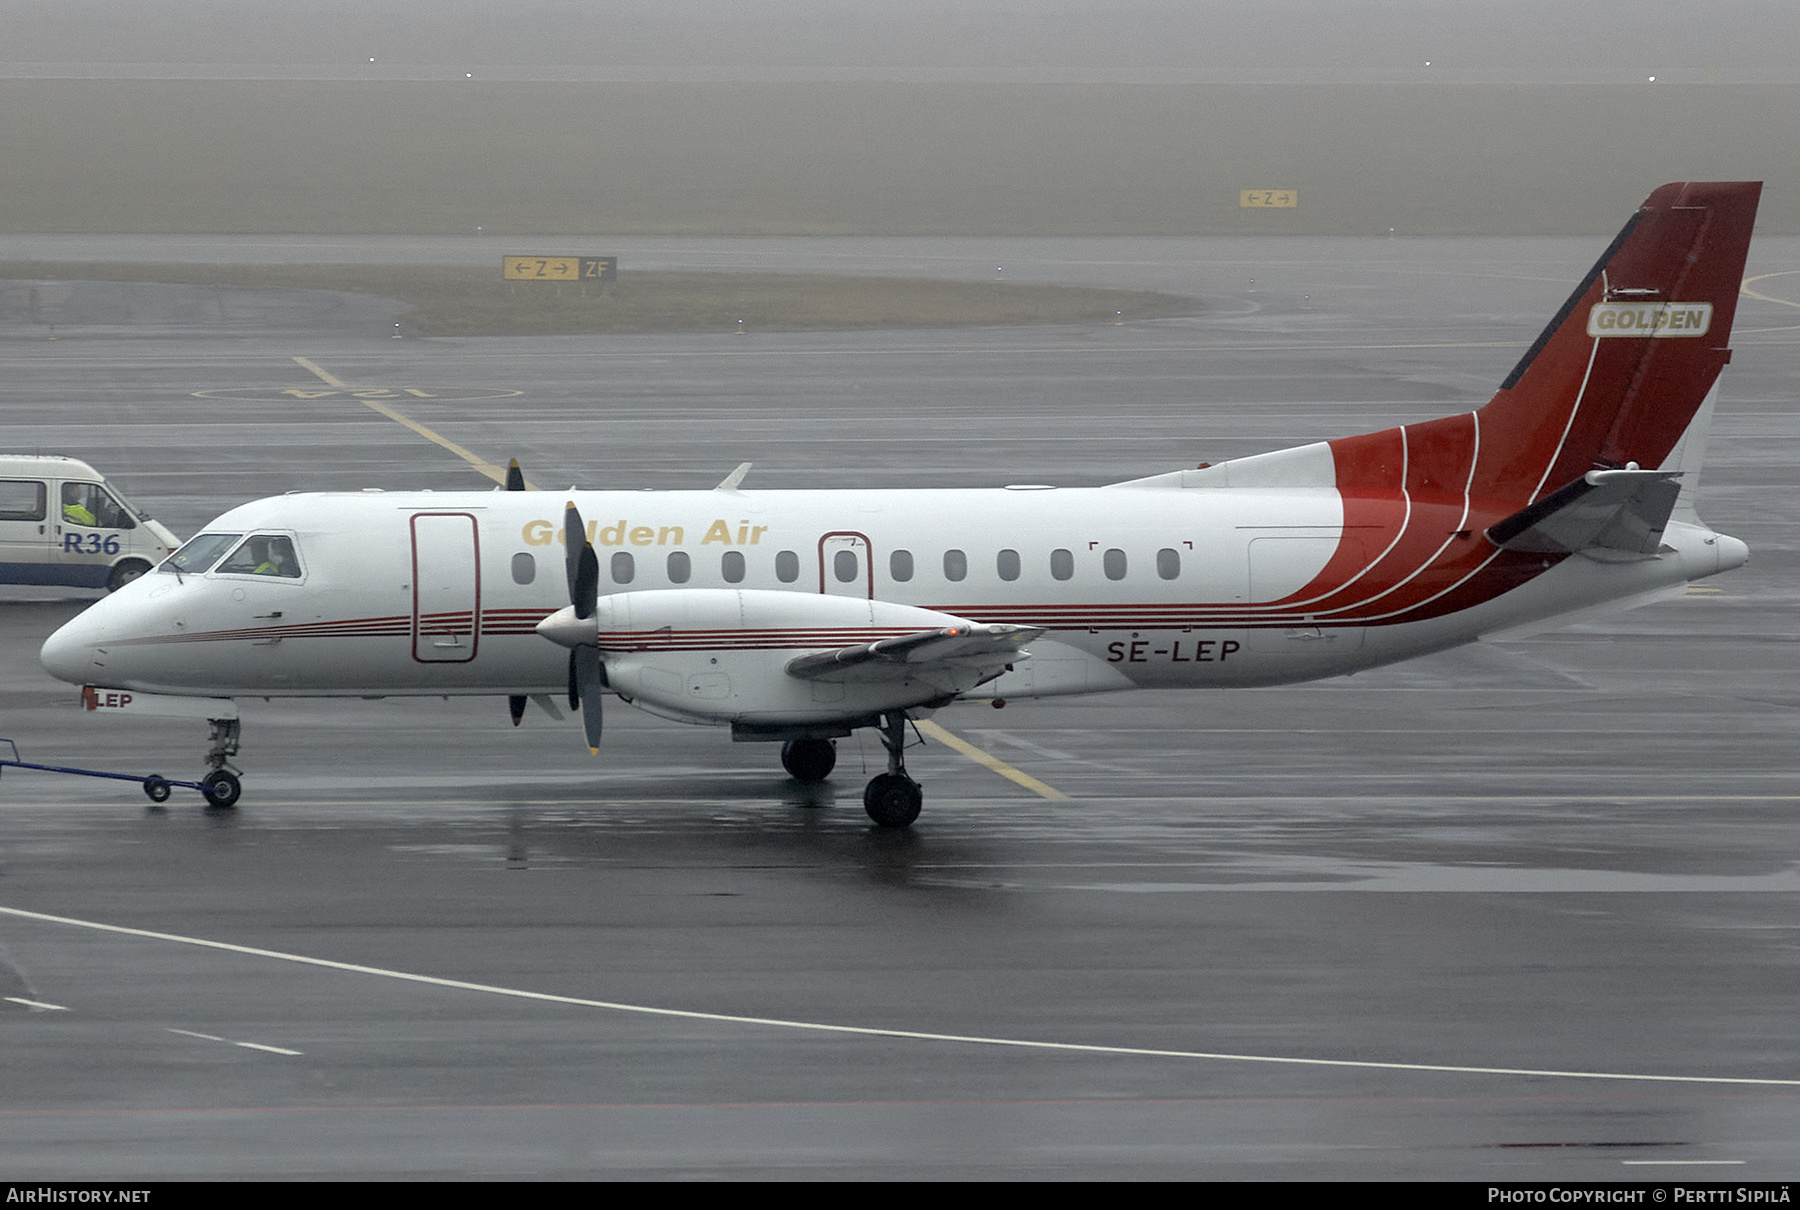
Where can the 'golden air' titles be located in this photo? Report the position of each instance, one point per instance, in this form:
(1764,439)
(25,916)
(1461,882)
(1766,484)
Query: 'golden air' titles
(1650,319)
(623,533)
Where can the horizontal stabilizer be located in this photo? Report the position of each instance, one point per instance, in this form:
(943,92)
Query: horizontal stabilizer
(1624,511)
(995,644)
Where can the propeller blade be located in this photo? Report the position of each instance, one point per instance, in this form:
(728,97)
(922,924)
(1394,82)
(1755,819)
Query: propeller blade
(574,538)
(515,477)
(586,675)
(580,563)
(591,678)
(516,704)
(587,584)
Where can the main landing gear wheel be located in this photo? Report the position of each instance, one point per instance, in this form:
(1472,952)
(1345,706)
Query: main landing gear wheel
(220,787)
(809,759)
(893,800)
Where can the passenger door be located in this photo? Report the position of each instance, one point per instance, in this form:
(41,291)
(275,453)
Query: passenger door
(446,619)
(845,565)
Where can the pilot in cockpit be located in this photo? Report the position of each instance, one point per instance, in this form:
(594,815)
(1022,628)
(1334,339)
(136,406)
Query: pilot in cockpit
(264,555)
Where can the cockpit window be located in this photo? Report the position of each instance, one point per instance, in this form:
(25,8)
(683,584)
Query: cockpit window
(200,553)
(263,555)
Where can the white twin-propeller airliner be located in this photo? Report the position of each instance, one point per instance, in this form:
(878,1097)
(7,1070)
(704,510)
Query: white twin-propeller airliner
(797,616)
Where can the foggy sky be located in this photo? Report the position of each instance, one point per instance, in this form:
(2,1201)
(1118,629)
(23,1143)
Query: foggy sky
(1166,41)
(794,117)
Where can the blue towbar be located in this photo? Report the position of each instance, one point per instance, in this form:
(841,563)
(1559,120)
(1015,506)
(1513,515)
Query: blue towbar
(219,788)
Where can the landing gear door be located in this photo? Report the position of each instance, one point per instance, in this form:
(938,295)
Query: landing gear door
(446,620)
(845,566)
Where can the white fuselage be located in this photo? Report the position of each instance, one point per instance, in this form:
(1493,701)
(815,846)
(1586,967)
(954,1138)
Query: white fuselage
(1138,585)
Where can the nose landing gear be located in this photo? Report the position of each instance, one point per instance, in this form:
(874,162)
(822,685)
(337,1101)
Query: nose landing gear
(221,786)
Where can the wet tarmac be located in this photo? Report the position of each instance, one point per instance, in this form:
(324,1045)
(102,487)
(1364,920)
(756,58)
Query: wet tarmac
(1434,921)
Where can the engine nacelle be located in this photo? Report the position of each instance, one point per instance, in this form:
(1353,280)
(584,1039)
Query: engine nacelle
(720,655)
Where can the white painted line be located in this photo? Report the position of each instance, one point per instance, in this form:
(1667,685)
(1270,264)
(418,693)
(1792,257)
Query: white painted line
(188,1033)
(55,1008)
(1255,800)
(1645,1163)
(873,1031)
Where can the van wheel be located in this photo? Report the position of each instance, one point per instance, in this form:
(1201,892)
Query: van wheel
(125,573)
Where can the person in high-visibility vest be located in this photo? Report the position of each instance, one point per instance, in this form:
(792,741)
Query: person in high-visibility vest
(271,557)
(76,512)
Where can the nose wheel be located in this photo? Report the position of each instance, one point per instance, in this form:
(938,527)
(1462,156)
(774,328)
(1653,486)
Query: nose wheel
(893,799)
(221,787)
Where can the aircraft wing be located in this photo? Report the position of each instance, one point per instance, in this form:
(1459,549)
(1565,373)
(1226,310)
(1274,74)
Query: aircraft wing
(983,649)
(1621,512)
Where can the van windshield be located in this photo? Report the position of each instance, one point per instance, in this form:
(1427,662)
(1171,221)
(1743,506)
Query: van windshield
(127,505)
(200,553)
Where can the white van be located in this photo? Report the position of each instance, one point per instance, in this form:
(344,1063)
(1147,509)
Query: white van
(61,524)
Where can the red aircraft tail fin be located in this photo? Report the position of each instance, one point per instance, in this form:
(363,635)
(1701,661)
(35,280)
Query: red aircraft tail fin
(1616,377)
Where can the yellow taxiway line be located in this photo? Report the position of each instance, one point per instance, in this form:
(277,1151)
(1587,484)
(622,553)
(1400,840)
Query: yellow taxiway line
(496,473)
(1746,291)
(927,727)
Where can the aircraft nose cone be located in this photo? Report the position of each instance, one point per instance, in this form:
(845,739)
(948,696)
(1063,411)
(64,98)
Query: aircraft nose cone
(68,654)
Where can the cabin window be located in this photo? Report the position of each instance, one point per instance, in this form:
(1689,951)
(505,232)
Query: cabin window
(680,567)
(1168,563)
(200,553)
(956,565)
(731,566)
(900,566)
(624,567)
(1062,564)
(787,566)
(1007,564)
(263,555)
(524,568)
(21,500)
(844,566)
(1113,564)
